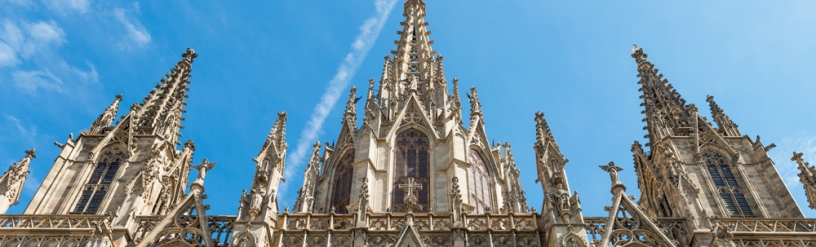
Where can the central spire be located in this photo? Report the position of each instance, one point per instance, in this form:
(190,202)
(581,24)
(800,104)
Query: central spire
(413,66)
(664,108)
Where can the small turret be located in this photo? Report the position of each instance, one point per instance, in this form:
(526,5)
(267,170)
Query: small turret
(807,176)
(11,182)
(305,200)
(350,116)
(724,123)
(106,118)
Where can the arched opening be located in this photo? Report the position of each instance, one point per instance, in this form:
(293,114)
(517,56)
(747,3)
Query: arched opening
(412,155)
(720,169)
(343,174)
(93,193)
(479,182)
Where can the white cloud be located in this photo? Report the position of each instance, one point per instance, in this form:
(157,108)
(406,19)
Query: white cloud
(65,7)
(360,47)
(38,36)
(36,43)
(30,81)
(12,36)
(45,32)
(89,76)
(137,34)
(7,55)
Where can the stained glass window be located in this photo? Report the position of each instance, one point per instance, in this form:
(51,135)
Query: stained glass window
(83,199)
(101,177)
(479,182)
(734,201)
(412,161)
(343,173)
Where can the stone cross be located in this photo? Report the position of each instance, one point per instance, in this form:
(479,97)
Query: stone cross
(410,199)
(410,186)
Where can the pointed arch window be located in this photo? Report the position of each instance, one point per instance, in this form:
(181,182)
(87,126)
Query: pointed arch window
(730,191)
(412,161)
(343,174)
(479,182)
(94,192)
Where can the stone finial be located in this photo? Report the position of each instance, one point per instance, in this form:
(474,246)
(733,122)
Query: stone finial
(475,105)
(807,176)
(638,54)
(543,133)
(189,145)
(277,134)
(189,55)
(351,107)
(613,170)
(106,118)
(314,161)
(11,182)
(370,88)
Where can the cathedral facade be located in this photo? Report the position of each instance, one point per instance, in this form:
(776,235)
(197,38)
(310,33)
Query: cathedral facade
(408,172)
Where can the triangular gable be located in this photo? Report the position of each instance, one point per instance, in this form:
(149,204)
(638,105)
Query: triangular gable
(478,136)
(347,136)
(413,112)
(707,135)
(409,237)
(185,224)
(629,226)
(122,133)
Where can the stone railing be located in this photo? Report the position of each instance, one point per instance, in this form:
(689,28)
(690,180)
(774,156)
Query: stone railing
(220,228)
(78,221)
(47,230)
(383,229)
(754,226)
(422,222)
(674,228)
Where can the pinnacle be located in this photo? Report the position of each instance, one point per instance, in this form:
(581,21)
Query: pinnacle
(163,106)
(543,133)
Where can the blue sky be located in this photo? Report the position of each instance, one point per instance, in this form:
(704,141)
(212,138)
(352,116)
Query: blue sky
(63,61)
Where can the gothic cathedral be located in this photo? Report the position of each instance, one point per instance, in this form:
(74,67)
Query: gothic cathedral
(410,173)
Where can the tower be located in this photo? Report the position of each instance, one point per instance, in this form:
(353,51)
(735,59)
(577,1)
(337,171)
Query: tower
(258,210)
(697,170)
(561,211)
(412,130)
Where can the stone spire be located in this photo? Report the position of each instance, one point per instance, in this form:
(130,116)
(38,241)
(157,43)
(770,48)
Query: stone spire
(350,115)
(305,200)
(11,182)
(724,123)
(543,133)
(277,135)
(456,101)
(664,107)
(163,106)
(106,118)
(808,178)
(414,68)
